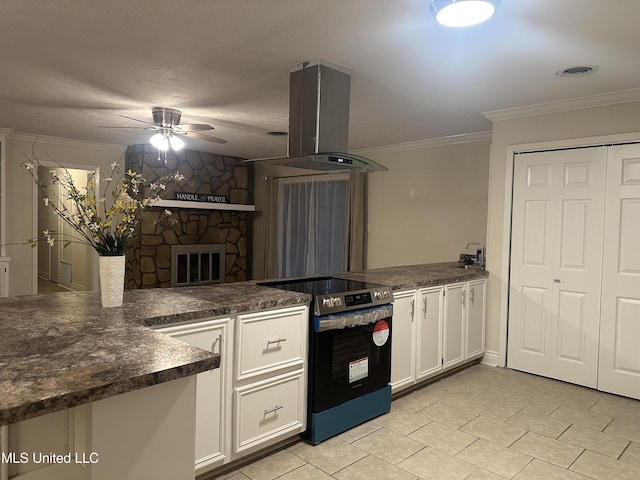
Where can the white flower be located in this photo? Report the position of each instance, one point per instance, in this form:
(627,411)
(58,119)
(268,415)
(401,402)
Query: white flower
(178,177)
(107,179)
(46,201)
(45,233)
(167,212)
(50,241)
(29,166)
(114,164)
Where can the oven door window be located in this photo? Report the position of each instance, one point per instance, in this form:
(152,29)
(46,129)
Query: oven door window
(348,363)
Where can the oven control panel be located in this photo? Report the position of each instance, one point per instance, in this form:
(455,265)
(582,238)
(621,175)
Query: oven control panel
(357,299)
(340,302)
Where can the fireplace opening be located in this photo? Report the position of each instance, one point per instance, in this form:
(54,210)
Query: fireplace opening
(197,264)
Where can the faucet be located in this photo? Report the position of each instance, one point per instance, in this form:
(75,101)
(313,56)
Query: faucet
(481,258)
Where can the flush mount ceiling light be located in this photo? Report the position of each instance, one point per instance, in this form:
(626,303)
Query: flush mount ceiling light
(463,13)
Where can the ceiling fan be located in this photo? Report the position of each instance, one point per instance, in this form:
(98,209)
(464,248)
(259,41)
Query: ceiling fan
(166,122)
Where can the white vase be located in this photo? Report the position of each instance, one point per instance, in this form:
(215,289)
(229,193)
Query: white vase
(111,270)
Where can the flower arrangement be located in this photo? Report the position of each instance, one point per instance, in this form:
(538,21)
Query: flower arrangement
(102,224)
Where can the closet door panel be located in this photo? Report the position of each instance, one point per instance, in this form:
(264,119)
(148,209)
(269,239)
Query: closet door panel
(557,224)
(619,366)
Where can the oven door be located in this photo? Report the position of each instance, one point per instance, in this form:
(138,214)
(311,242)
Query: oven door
(350,356)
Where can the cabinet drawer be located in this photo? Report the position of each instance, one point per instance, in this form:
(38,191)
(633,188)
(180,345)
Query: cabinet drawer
(268,341)
(268,410)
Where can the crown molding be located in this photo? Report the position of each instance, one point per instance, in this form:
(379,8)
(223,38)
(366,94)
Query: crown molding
(67,142)
(4,132)
(429,143)
(578,103)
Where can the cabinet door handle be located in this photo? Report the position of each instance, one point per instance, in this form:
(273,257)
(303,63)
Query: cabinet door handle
(413,304)
(472,295)
(424,306)
(462,295)
(275,342)
(556,280)
(218,342)
(273,410)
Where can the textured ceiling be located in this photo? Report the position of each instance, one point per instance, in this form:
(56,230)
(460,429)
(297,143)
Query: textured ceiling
(68,66)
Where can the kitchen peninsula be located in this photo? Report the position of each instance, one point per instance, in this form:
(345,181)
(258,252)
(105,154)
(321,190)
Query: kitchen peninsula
(64,350)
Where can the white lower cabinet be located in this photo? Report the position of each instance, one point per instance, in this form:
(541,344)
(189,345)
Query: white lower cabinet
(475,320)
(258,395)
(270,380)
(429,346)
(403,340)
(268,410)
(436,329)
(213,390)
(454,320)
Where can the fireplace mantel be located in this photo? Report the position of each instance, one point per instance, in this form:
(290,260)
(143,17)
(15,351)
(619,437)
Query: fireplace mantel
(205,205)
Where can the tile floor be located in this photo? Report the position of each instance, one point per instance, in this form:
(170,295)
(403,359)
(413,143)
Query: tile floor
(483,423)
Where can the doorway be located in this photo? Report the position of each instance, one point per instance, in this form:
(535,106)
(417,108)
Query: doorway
(66,265)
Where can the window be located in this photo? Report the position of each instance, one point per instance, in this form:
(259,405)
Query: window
(312,225)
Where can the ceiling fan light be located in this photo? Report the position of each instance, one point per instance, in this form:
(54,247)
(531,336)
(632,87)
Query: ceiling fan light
(463,13)
(160,142)
(176,142)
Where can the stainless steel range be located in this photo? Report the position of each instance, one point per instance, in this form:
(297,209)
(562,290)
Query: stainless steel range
(349,353)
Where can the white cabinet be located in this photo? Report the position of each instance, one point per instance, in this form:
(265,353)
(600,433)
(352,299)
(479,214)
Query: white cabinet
(213,390)
(403,340)
(429,332)
(475,318)
(435,329)
(258,395)
(453,329)
(267,410)
(269,341)
(270,381)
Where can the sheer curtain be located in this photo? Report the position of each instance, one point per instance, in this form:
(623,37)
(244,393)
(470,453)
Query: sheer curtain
(315,224)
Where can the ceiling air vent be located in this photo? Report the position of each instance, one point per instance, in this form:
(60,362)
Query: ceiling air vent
(577,71)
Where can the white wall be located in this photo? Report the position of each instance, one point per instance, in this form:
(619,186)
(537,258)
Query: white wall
(429,205)
(591,122)
(20,194)
(447,210)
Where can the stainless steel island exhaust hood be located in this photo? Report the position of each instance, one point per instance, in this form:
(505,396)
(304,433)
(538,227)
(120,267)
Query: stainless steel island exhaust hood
(319,121)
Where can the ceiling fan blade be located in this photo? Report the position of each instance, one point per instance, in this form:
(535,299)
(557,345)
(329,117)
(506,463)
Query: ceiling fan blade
(120,126)
(201,136)
(137,120)
(193,127)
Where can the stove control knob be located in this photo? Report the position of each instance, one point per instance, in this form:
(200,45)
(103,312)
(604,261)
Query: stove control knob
(385,294)
(336,302)
(377,295)
(327,302)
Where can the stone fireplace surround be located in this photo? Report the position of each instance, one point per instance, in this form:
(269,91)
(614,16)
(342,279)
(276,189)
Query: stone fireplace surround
(149,254)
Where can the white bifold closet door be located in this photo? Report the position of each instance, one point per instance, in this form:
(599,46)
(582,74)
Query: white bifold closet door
(619,369)
(556,263)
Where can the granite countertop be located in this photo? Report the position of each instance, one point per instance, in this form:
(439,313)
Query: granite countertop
(417,276)
(62,350)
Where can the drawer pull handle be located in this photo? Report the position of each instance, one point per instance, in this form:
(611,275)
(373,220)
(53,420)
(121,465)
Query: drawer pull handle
(275,342)
(273,410)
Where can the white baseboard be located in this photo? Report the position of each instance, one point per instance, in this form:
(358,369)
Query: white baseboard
(490,358)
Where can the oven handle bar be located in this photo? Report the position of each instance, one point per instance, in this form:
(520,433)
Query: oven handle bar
(352,319)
